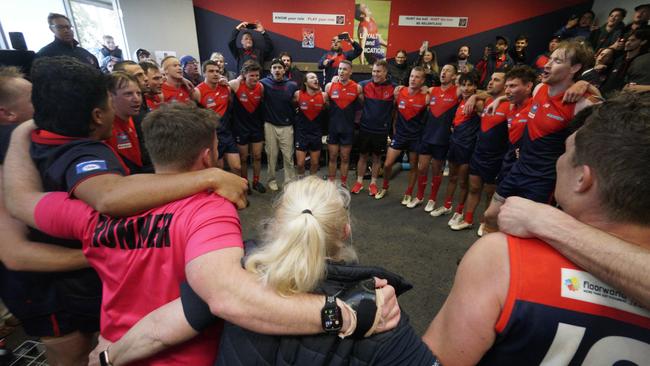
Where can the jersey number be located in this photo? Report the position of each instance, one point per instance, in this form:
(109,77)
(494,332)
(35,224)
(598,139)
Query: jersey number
(607,351)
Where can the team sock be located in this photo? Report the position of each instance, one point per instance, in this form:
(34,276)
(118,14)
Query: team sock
(460,208)
(344,179)
(469,217)
(409,191)
(256,179)
(435,186)
(448,202)
(385,184)
(422,185)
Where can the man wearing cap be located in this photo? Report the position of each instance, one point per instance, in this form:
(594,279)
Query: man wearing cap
(191,69)
(64,43)
(330,61)
(494,59)
(143,55)
(640,19)
(250,51)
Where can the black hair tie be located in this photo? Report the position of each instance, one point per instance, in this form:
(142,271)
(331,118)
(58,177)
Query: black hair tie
(307,211)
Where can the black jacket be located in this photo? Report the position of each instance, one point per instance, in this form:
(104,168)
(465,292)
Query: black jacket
(60,48)
(259,54)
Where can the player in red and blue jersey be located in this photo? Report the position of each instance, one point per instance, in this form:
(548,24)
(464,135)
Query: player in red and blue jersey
(461,145)
(518,301)
(376,118)
(411,105)
(491,145)
(247,124)
(435,137)
(214,93)
(344,95)
(532,176)
(312,103)
(174,89)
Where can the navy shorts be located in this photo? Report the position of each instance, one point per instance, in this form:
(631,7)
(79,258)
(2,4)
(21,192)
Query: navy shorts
(248,137)
(307,143)
(438,152)
(401,143)
(487,170)
(59,324)
(226,145)
(533,188)
(340,138)
(372,143)
(459,155)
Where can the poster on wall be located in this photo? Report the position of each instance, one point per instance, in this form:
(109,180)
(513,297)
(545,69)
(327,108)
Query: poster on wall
(371,21)
(160,55)
(309,18)
(432,21)
(308,39)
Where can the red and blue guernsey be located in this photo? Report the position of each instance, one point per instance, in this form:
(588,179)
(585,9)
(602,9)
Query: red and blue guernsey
(491,143)
(465,128)
(343,105)
(125,141)
(410,116)
(310,115)
(377,106)
(246,111)
(153,101)
(556,313)
(218,100)
(442,109)
(173,94)
(517,121)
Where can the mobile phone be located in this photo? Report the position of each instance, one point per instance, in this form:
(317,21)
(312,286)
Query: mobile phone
(425,44)
(343,36)
(251,26)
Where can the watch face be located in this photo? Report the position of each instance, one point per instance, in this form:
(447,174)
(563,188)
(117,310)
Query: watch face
(331,316)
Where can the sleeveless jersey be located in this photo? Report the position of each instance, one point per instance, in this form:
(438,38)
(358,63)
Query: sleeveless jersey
(153,101)
(246,111)
(173,94)
(543,140)
(559,314)
(465,128)
(126,143)
(310,114)
(492,138)
(442,109)
(218,100)
(342,106)
(517,121)
(410,114)
(377,106)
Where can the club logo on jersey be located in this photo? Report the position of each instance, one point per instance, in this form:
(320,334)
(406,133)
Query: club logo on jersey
(243,97)
(433,100)
(210,102)
(303,105)
(91,165)
(533,110)
(402,104)
(572,284)
(123,141)
(335,94)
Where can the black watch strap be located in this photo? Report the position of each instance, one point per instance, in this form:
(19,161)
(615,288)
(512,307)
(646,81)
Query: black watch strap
(331,318)
(103,359)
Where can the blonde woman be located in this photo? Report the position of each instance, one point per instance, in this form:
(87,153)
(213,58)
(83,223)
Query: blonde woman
(305,249)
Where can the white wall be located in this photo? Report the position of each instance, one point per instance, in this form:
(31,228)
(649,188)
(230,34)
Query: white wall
(160,25)
(602,8)
(30,18)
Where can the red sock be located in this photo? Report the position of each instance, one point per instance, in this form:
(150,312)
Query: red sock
(344,179)
(469,217)
(448,202)
(331,178)
(409,191)
(385,184)
(422,185)
(435,186)
(460,208)
(256,179)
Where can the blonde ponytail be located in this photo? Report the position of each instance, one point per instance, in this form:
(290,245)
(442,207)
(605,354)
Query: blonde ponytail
(307,228)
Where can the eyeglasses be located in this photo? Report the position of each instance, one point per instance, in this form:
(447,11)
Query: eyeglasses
(61,27)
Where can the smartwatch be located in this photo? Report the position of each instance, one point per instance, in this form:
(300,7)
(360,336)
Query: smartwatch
(330,316)
(103,359)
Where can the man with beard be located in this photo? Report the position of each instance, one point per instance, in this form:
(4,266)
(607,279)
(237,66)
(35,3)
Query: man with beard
(64,43)
(494,59)
(191,69)
(249,50)
(463,66)
(376,118)
(278,121)
(311,102)
(330,61)
(153,91)
(214,94)
(293,73)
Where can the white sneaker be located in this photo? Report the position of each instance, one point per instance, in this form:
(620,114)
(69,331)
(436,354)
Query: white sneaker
(455,219)
(273,185)
(442,210)
(406,200)
(414,202)
(481,229)
(382,192)
(461,226)
(431,204)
